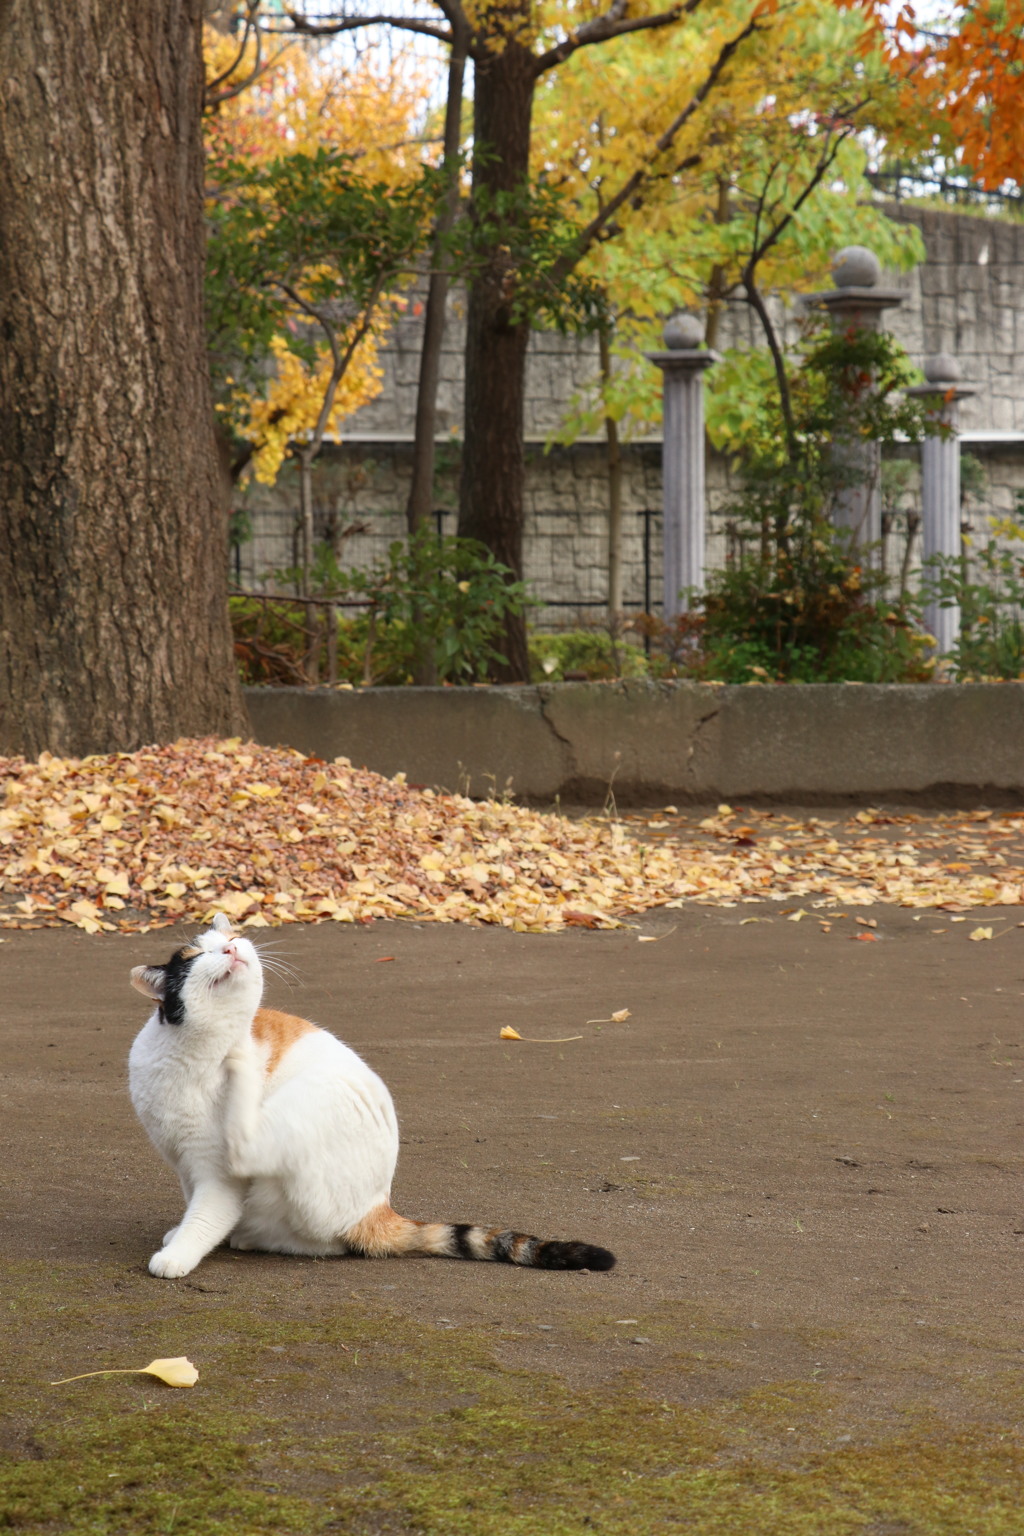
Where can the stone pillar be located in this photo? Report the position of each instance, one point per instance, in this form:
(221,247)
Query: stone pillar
(682,458)
(857,301)
(940,482)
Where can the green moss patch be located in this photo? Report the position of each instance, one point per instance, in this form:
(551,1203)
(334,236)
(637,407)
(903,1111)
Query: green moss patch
(309,1421)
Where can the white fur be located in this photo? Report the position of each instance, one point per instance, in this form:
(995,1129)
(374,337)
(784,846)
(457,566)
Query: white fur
(286,1162)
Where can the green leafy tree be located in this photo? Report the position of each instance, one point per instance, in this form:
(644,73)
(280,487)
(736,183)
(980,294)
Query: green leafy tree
(305,251)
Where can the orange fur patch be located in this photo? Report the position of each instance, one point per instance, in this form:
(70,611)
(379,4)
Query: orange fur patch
(279,1032)
(382,1231)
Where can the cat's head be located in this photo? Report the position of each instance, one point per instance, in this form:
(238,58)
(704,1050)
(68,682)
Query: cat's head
(217,975)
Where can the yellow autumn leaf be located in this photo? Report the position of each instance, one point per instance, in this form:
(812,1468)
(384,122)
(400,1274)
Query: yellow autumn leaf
(118,886)
(111,822)
(508,1033)
(178,1372)
(980,933)
(619,1017)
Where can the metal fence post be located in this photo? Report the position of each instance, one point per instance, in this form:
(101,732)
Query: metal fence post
(682,458)
(940,482)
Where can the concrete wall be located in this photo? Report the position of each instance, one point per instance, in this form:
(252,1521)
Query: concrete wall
(655,743)
(968,298)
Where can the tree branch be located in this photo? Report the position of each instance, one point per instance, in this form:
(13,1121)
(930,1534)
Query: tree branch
(212,98)
(630,189)
(353,23)
(612,24)
(251,13)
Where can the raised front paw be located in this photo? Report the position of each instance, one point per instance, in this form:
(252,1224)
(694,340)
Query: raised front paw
(168,1265)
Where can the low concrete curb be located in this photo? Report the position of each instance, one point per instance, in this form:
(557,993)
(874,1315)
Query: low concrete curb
(659,742)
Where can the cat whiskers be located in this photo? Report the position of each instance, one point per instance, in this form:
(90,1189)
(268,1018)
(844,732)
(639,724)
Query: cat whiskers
(277,966)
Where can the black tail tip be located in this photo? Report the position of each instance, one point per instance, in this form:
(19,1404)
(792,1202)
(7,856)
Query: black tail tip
(558,1255)
(599,1258)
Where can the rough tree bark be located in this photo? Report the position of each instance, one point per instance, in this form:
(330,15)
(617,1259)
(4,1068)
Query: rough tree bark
(491,487)
(113,527)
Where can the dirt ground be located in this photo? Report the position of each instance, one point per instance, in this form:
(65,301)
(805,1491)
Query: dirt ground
(804,1147)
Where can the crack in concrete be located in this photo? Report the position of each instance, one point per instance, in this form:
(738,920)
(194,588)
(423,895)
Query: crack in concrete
(695,739)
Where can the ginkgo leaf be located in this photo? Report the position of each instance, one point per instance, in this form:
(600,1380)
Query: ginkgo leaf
(508,1033)
(980,933)
(178,1372)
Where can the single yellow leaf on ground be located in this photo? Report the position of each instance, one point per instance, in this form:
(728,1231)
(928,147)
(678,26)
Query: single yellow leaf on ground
(178,1372)
(980,933)
(508,1033)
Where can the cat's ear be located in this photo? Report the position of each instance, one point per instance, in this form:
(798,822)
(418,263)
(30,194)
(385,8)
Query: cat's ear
(150,980)
(222,922)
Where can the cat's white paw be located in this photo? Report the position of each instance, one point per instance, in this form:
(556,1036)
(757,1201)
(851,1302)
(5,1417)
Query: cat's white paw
(170,1266)
(170,1236)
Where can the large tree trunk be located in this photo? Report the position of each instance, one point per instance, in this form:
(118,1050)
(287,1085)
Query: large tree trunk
(491,492)
(113,530)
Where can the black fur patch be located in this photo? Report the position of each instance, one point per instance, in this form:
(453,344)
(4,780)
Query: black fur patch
(557,1255)
(460,1240)
(504,1247)
(172,1009)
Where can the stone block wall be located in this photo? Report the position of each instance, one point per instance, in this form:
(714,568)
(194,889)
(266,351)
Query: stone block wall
(967,298)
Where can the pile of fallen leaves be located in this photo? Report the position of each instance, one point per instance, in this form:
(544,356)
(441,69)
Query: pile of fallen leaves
(140,840)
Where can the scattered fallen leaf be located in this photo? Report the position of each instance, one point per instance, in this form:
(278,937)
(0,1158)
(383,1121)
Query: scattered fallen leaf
(508,1033)
(794,917)
(383,959)
(619,1017)
(865,938)
(867,922)
(980,933)
(178,1372)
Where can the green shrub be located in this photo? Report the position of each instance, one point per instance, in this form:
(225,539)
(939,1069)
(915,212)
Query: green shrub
(990,643)
(448,598)
(592,652)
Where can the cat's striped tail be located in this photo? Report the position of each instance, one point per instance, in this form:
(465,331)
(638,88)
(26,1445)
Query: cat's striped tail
(382,1232)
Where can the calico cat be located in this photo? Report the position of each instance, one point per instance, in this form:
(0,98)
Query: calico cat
(282,1137)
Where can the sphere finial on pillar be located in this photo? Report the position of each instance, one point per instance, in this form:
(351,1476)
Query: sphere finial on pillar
(856,267)
(683,332)
(942,368)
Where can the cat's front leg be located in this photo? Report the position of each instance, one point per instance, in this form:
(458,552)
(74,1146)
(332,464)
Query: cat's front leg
(213,1213)
(242,1108)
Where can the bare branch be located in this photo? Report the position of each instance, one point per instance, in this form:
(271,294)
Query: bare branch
(251,13)
(214,98)
(612,24)
(353,23)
